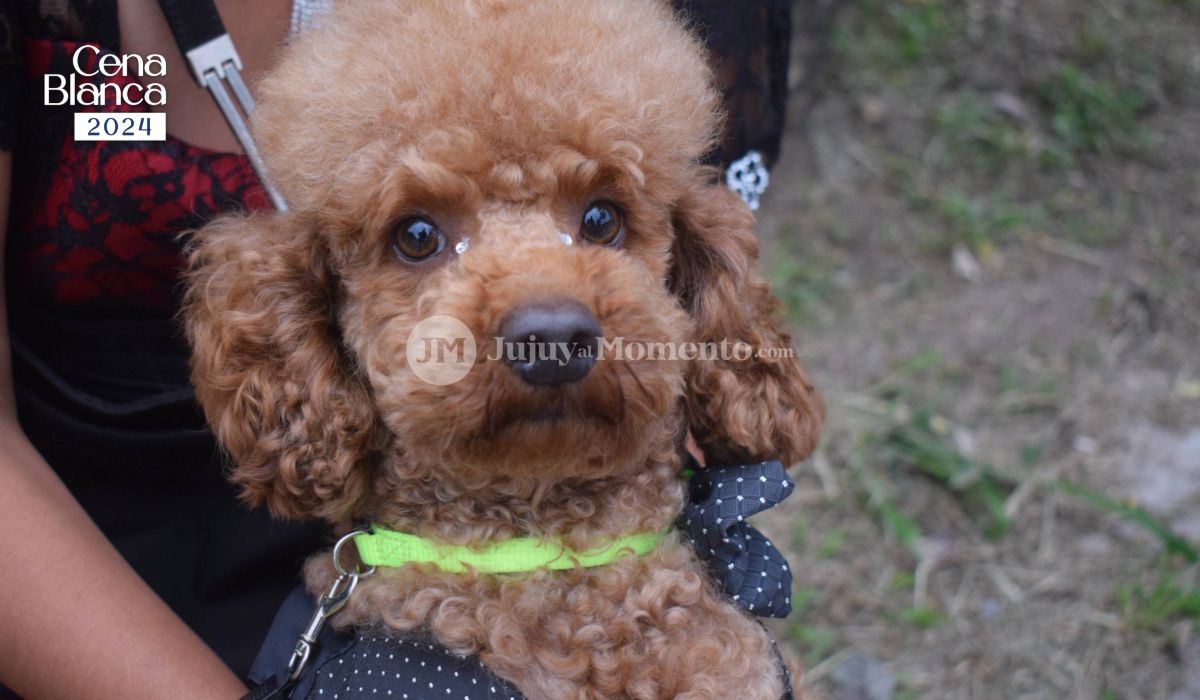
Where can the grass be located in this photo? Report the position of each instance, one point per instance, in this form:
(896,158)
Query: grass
(1088,104)
(981,222)
(1172,542)
(918,440)
(902,581)
(905,529)
(1074,112)
(882,503)
(897,33)
(814,641)
(917,27)
(800,533)
(1023,392)
(919,364)
(907,440)
(1173,597)
(804,287)
(1091,115)
(832,544)
(921,445)
(988,155)
(1154,609)
(922,617)
(978,134)
(905,436)
(1036,126)
(980,137)
(1192,6)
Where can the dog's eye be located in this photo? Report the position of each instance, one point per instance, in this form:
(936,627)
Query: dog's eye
(417,238)
(603,224)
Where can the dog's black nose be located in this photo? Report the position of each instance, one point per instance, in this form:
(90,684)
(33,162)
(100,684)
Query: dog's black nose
(550,343)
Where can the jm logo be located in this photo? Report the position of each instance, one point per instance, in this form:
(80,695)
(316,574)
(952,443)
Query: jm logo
(441,350)
(435,349)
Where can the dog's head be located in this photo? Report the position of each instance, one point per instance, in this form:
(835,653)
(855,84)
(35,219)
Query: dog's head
(527,169)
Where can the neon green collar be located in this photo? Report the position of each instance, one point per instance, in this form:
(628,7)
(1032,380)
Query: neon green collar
(388,548)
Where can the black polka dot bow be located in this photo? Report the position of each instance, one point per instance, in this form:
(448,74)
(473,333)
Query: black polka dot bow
(748,566)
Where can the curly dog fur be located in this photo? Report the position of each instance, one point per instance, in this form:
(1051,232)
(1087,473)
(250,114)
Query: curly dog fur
(501,120)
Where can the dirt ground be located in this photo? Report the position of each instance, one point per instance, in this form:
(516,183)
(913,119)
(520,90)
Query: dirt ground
(986,231)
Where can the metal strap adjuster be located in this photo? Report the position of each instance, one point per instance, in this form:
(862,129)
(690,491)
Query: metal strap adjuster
(214,64)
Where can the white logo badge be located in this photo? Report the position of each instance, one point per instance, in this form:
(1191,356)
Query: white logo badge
(441,350)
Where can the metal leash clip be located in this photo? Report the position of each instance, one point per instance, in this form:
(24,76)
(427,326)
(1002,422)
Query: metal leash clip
(327,607)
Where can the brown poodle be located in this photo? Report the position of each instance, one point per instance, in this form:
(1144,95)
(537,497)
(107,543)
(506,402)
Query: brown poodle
(435,155)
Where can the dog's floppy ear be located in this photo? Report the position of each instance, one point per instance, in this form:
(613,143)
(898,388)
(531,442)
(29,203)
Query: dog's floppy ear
(269,371)
(757,408)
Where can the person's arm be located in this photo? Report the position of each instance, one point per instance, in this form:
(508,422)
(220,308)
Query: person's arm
(77,621)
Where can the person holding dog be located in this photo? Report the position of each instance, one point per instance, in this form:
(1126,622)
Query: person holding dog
(129,567)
